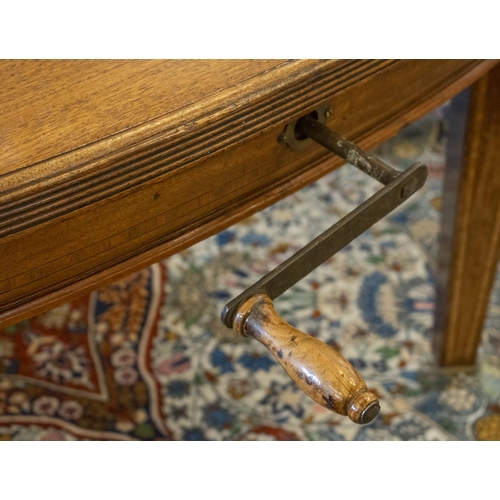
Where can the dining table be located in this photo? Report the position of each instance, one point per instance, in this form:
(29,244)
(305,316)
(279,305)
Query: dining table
(108,166)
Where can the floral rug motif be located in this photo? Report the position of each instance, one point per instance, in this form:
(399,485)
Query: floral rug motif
(148,357)
(80,371)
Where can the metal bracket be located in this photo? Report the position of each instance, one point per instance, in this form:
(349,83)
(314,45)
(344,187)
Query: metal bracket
(289,137)
(399,186)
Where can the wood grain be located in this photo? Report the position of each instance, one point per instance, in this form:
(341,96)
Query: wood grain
(49,107)
(317,369)
(70,181)
(470,254)
(85,218)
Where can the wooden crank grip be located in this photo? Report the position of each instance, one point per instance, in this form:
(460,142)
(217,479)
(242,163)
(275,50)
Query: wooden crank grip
(320,371)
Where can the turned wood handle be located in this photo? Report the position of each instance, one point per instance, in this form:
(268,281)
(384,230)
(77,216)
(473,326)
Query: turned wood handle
(320,371)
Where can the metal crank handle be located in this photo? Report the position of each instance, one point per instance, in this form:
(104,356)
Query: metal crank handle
(320,371)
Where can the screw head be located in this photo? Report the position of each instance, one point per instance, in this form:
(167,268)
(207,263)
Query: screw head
(328,113)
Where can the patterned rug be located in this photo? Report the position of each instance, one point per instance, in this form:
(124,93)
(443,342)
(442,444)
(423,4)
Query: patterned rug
(148,358)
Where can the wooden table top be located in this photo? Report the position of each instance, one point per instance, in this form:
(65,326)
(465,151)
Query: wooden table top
(109,166)
(50,107)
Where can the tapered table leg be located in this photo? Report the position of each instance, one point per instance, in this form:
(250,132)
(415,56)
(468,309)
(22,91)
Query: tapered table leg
(470,228)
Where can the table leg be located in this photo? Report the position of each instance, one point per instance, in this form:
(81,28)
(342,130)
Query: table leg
(470,227)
